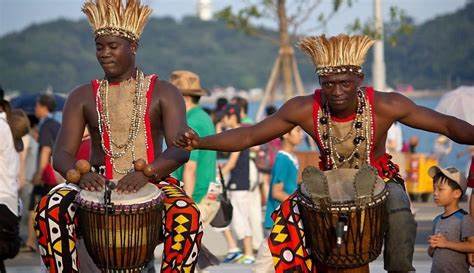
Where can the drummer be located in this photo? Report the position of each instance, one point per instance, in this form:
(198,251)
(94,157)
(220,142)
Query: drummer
(128,114)
(349,122)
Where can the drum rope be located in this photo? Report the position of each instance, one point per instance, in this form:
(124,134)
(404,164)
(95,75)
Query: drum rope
(122,239)
(109,186)
(136,233)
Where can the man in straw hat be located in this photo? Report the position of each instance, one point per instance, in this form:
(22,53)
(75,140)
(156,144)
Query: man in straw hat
(200,171)
(349,123)
(128,113)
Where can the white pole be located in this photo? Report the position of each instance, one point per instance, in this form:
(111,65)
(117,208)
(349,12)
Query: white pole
(378,67)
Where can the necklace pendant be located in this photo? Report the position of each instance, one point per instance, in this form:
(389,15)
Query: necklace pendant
(323,120)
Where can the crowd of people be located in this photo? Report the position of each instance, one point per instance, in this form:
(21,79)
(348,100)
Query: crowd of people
(246,172)
(258,178)
(261,177)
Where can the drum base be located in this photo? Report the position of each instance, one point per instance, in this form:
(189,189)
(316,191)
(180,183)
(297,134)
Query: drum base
(362,269)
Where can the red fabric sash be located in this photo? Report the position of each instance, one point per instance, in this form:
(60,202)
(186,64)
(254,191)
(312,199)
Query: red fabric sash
(317,102)
(105,136)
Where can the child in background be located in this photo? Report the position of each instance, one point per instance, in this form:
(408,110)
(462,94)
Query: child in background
(284,173)
(453,231)
(283,183)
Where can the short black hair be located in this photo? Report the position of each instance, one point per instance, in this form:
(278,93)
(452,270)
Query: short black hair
(33,120)
(233,109)
(195,99)
(2,93)
(221,103)
(270,110)
(441,178)
(243,103)
(48,101)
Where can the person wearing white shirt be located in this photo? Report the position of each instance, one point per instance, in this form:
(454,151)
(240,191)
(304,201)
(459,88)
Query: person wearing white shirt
(394,138)
(11,131)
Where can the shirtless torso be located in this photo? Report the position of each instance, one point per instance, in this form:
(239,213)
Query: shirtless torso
(167,117)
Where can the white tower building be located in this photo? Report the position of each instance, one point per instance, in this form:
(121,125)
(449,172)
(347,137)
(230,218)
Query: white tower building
(204,10)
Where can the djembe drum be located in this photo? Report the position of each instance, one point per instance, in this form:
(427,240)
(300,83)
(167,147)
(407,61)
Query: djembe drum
(121,231)
(344,216)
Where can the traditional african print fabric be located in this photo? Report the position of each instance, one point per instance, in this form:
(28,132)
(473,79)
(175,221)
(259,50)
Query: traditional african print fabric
(287,239)
(56,223)
(182,229)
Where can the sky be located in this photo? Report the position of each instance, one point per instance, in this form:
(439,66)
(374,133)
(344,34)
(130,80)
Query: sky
(16,15)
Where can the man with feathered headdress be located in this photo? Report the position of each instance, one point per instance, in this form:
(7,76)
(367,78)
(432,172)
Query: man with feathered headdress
(128,114)
(349,123)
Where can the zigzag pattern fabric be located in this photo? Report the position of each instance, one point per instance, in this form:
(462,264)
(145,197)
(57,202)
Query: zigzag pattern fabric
(182,229)
(287,240)
(55,226)
(56,222)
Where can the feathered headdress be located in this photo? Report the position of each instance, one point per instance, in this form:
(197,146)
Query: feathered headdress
(111,17)
(338,54)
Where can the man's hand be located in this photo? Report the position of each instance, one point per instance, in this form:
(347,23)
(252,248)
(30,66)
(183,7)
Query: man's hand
(438,240)
(470,259)
(132,182)
(188,140)
(91,182)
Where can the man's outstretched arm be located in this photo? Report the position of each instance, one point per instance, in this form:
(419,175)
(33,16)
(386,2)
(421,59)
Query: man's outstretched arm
(410,114)
(241,138)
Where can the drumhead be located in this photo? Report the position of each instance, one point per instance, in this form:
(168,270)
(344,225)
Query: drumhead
(144,195)
(341,185)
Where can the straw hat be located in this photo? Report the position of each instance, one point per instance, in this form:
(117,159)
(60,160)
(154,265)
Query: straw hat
(337,54)
(188,83)
(114,17)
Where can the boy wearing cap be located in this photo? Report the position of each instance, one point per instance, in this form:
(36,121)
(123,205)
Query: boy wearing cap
(239,187)
(453,231)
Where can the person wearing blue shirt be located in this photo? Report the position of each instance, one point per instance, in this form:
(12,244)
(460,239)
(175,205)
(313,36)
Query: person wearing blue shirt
(284,173)
(283,183)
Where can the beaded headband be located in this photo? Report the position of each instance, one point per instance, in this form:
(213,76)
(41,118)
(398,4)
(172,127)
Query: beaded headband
(338,54)
(111,17)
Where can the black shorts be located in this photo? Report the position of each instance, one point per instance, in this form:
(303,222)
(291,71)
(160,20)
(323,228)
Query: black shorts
(9,234)
(36,194)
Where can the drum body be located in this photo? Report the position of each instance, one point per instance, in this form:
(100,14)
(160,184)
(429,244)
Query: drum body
(344,230)
(123,236)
